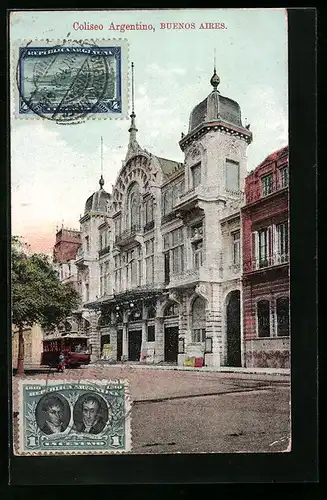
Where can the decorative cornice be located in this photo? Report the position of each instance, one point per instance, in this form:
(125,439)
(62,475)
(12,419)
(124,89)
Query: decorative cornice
(216,126)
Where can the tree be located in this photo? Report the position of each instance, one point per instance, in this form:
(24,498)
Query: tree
(37,294)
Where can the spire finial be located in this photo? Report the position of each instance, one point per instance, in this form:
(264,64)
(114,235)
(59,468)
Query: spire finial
(215,80)
(132,130)
(101,181)
(132,88)
(101,155)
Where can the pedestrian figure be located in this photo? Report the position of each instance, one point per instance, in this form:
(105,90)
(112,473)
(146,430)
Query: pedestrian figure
(61,363)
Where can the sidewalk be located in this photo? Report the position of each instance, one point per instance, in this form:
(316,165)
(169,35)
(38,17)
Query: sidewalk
(221,369)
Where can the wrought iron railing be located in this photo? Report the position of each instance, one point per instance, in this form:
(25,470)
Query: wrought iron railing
(104,251)
(265,190)
(267,261)
(149,226)
(128,234)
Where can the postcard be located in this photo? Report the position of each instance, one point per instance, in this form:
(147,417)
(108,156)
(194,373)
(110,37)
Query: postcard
(150,232)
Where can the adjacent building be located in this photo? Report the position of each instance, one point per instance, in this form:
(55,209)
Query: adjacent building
(33,337)
(265,225)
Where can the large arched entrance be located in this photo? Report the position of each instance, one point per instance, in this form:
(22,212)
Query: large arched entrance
(233,329)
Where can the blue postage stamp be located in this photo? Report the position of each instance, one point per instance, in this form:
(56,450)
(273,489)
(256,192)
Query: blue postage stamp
(73,417)
(70,81)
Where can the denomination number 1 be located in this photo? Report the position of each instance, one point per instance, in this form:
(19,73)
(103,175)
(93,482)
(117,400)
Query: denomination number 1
(31,441)
(115,441)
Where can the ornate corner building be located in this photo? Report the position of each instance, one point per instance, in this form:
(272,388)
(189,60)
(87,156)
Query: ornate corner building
(159,266)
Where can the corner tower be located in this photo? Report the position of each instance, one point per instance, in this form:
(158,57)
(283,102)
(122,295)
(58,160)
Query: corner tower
(215,146)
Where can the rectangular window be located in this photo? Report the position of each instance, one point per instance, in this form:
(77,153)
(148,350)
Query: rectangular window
(282,242)
(198,335)
(282,312)
(149,268)
(197,254)
(283,173)
(174,243)
(263,318)
(167,267)
(267,184)
(178,191)
(151,333)
(232,176)
(149,261)
(134,272)
(101,280)
(166,240)
(149,211)
(263,247)
(87,292)
(167,201)
(117,226)
(236,247)
(87,243)
(196,175)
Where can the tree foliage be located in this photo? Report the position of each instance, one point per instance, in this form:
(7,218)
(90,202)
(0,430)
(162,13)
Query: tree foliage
(37,294)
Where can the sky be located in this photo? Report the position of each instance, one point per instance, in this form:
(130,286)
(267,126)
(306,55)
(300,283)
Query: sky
(55,168)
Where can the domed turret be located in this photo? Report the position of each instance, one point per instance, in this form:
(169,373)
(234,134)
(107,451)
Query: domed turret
(98,201)
(215,107)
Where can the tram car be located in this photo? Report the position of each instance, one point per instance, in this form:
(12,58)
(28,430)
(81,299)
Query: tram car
(75,351)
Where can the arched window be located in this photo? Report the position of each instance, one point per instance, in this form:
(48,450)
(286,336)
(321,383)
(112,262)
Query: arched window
(199,320)
(134,207)
(263,318)
(171,309)
(283,316)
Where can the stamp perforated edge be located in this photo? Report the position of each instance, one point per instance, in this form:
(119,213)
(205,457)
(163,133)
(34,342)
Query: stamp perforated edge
(126,79)
(18,444)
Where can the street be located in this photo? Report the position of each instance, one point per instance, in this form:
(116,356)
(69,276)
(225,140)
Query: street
(194,412)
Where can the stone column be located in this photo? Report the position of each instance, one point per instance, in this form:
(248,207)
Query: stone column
(94,337)
(159,336)
(125,335)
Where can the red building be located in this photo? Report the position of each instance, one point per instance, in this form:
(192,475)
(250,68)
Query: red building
(265,279)
(67,243)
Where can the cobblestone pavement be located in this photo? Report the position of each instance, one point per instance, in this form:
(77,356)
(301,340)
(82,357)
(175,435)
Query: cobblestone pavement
(182,411)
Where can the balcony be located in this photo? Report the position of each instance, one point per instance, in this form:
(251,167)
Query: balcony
(149,226)
(187,278)
(259,264)
(261,192)
(191,277)
(188,200)
(128,236)
(104,251)
(82,257)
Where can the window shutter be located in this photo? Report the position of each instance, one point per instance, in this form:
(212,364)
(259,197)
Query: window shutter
(255,249)
(270,244)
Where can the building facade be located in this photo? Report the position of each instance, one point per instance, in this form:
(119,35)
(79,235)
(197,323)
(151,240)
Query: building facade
(265,228)
(33,337)
(159,266)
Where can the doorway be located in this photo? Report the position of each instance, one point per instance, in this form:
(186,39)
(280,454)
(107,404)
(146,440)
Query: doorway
(134,345)
(233,320)
(171,344)
(119,344)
